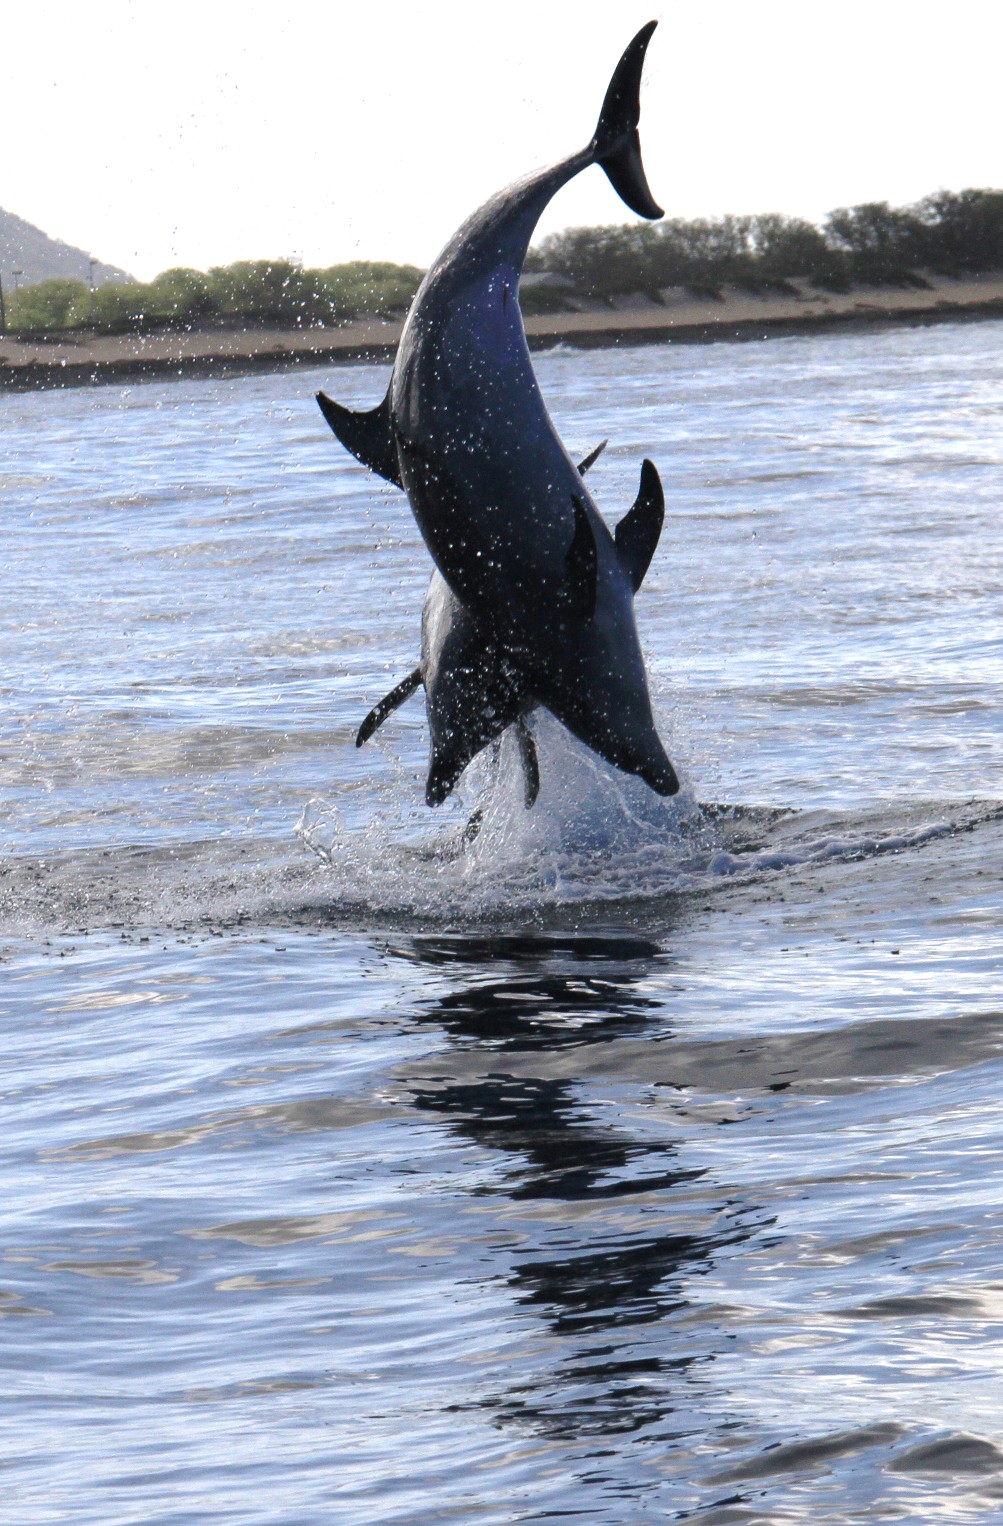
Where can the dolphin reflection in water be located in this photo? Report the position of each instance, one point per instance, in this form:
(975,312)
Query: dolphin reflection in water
(532,601)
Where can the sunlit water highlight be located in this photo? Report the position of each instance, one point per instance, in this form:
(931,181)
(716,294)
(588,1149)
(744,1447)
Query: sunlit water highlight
(629,1159)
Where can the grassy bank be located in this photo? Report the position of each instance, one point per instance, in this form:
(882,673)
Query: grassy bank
(954,234)
(259,292)
(734,314)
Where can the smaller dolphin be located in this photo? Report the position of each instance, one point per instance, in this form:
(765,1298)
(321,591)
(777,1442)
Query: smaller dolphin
(473,691)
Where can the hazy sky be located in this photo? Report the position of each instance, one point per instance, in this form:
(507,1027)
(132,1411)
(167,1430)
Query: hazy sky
(155,135)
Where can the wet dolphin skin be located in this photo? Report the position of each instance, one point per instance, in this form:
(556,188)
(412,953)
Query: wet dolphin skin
(545,587)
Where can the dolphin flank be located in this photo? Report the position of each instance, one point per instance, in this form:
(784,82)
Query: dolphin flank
(517,539)
(471,692)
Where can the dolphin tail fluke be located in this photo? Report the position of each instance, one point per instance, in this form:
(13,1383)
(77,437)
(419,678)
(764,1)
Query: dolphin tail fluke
(473,826)
(449,759)
(368,435)
(530,762)
(637,533)
(616,143)
(444,768)
(387,705)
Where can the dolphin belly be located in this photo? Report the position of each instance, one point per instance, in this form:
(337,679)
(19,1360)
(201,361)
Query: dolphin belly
(489,480)
(473,691)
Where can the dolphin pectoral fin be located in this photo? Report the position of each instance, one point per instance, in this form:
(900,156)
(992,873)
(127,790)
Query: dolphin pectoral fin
(592,457)
(387,705)
(368,435)
(637,533)
(582,564)
(529,760)
(617,146)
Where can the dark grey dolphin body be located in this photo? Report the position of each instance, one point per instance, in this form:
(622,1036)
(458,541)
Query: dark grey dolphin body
(473,691)
(513,531)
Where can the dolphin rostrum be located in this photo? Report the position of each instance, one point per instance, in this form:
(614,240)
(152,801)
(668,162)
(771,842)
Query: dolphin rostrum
(512,529)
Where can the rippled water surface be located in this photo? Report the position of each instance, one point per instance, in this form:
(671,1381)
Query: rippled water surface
(635,1160)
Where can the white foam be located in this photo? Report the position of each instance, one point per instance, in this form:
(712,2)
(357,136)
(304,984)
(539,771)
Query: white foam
(595,838)
(595,835)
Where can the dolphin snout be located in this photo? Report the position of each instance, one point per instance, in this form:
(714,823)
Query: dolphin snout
(647,758)
(661,776)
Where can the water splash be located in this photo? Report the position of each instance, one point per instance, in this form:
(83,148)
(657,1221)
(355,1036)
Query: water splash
(595,836)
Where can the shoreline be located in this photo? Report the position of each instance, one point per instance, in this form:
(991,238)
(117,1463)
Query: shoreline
(681,318)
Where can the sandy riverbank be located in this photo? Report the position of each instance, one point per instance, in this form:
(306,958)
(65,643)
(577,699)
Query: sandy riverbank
(679,318)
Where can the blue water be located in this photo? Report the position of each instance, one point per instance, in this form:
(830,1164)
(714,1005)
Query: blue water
(637,1160)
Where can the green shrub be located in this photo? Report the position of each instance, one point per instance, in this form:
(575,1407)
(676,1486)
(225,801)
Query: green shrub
(541,298)
(950,231)
(111,309)
(368,288)
(786,246)
(962,230)
(601,262)
(265,291)
(46,305)
(182,296)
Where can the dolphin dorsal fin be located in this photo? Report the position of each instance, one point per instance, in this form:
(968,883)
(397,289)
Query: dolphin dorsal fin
(637,533)
(582,563)
(368,435)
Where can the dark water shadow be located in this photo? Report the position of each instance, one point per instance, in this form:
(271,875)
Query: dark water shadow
(600,1254)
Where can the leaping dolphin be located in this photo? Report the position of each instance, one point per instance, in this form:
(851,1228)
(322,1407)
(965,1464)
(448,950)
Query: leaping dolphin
(510,525)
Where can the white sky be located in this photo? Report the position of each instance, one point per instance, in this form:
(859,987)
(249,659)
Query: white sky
(158,134)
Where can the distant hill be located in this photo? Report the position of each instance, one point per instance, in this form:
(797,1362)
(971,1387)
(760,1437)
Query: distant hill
(38,257)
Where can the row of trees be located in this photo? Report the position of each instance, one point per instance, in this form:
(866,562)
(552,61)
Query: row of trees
(950,232)
(251,291)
